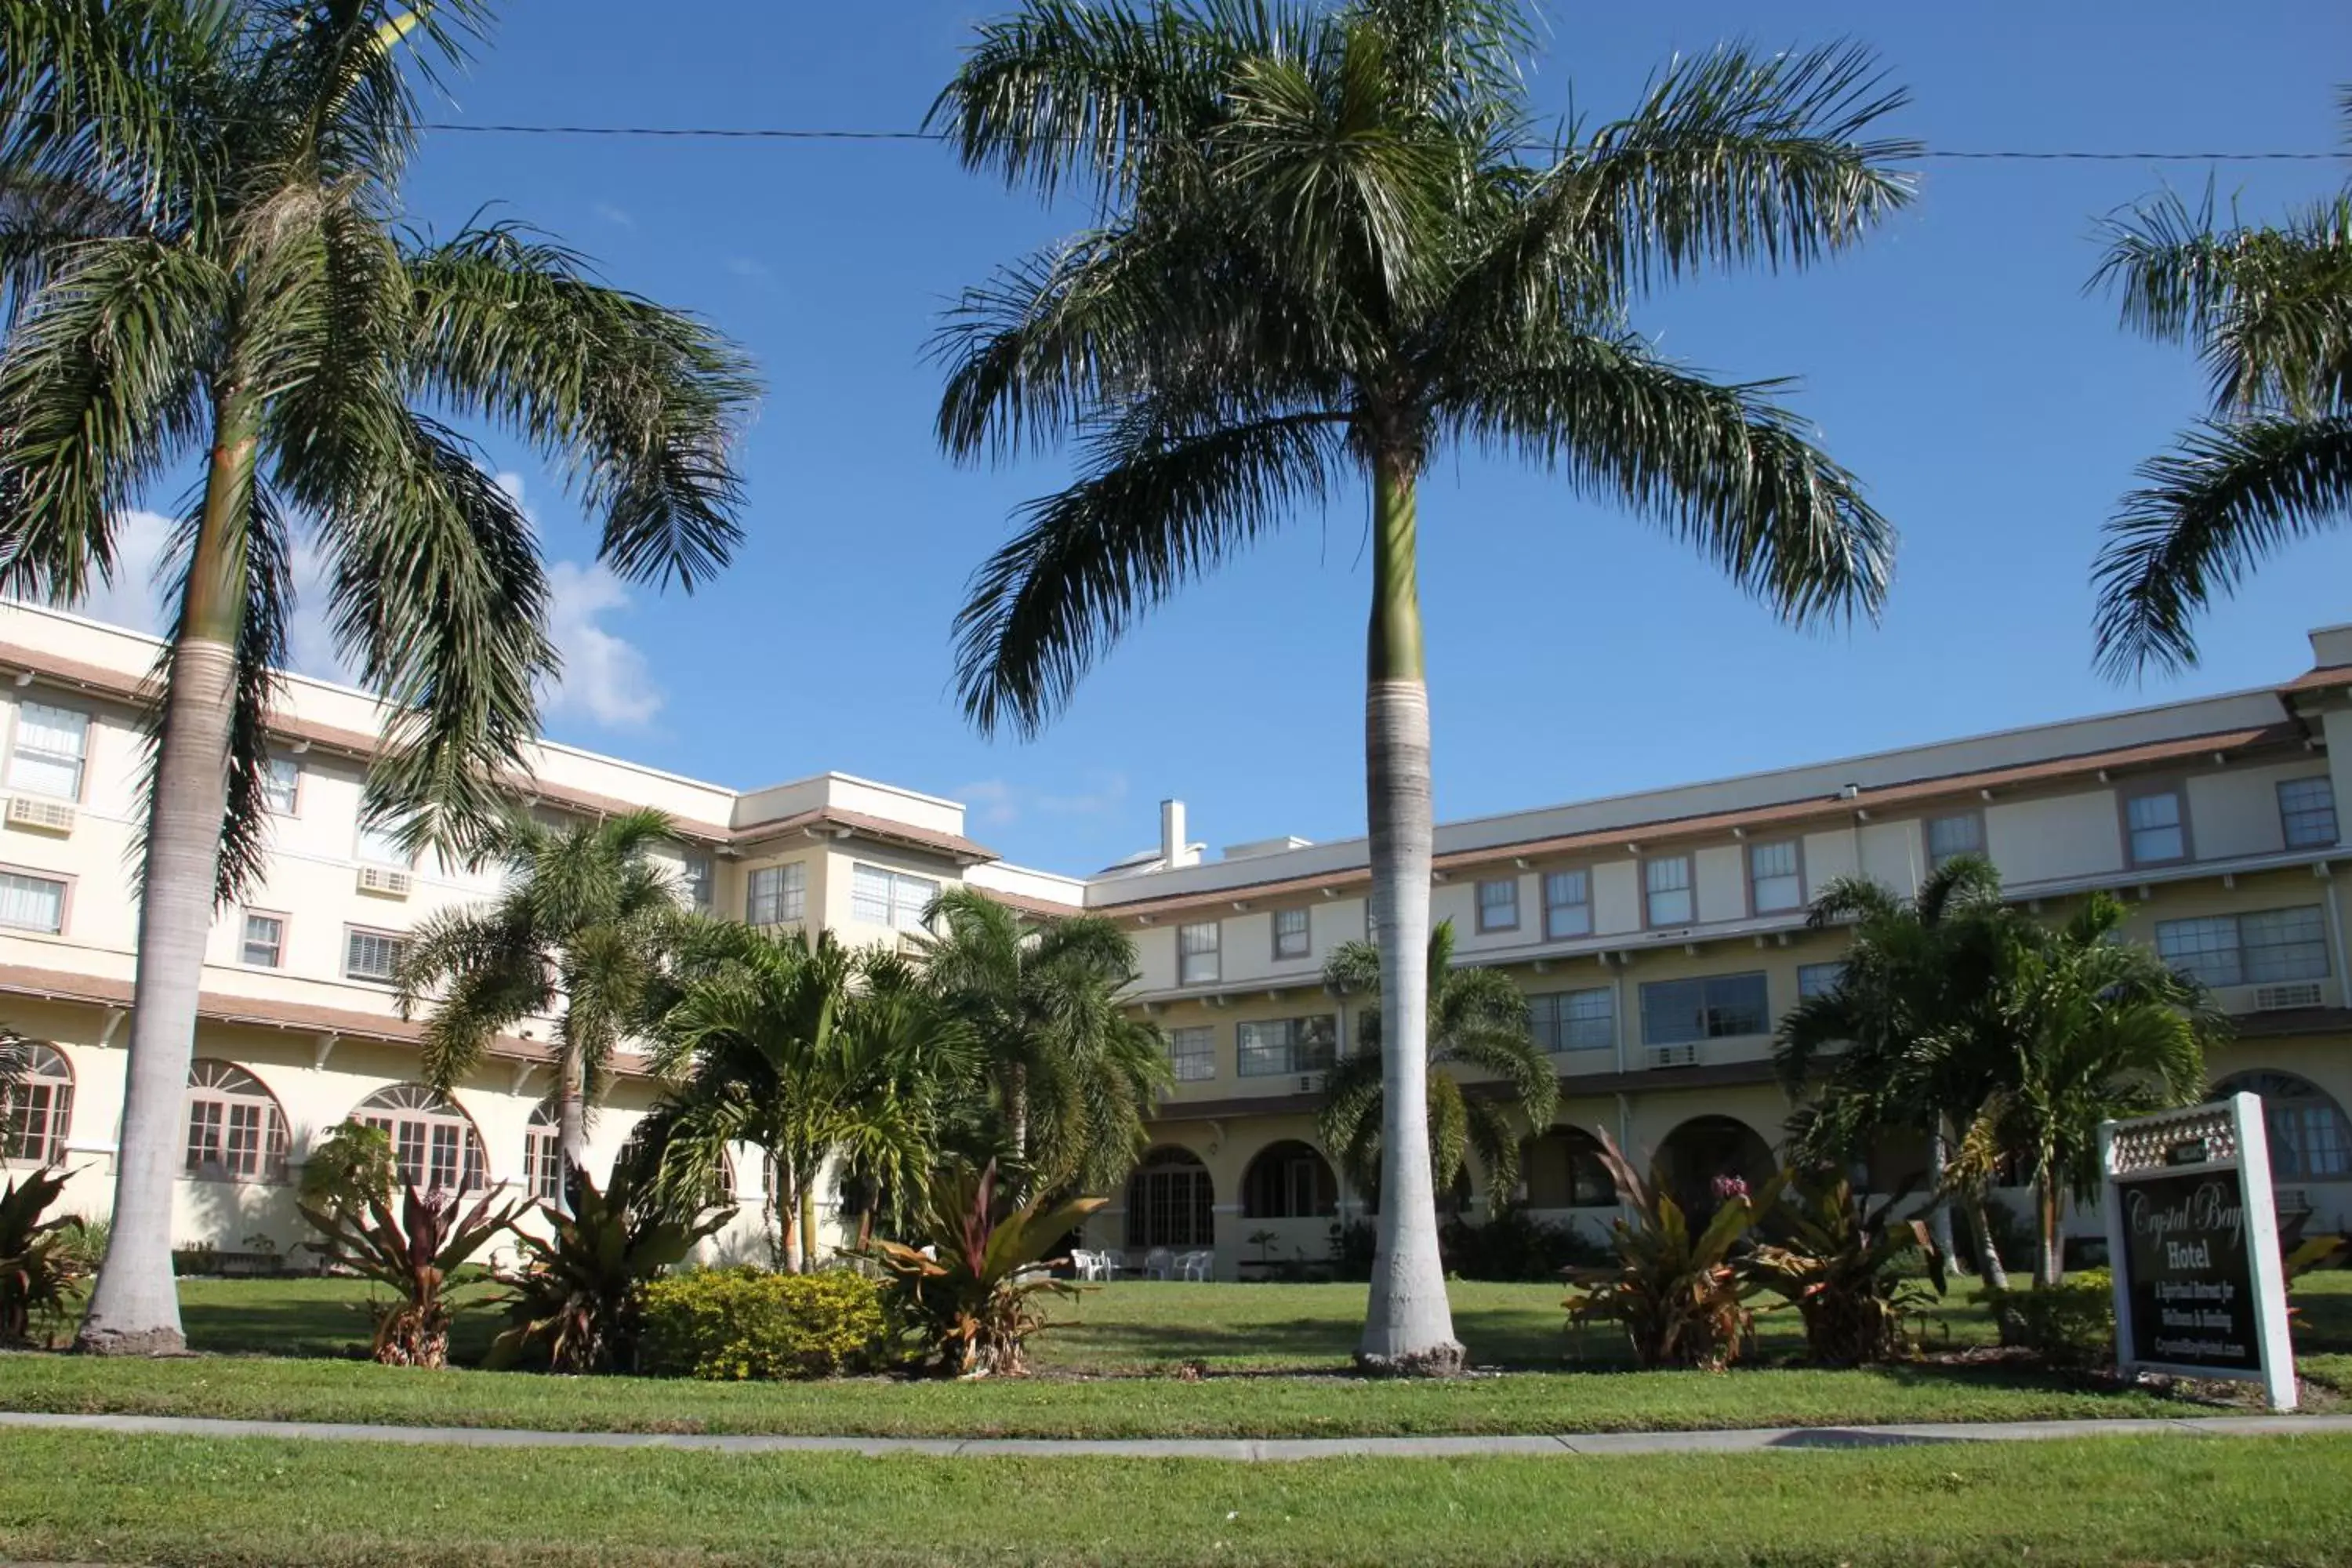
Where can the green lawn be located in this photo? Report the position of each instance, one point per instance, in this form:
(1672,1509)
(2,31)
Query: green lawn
(89,1498)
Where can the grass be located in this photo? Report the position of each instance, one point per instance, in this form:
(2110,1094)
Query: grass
(87,1497)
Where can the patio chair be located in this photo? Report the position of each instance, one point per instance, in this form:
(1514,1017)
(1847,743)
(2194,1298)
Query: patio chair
(1085,1265)
(1159,1264)
(1199,1267)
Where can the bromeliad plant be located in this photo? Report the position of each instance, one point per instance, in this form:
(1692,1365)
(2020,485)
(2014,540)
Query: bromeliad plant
(972,1289)
(41,1261)
(575,1297)
(1840,1264)
(1679,1293)
(413,1254)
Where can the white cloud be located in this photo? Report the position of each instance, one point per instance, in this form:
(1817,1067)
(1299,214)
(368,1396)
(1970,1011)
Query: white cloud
(134,598)
(617,216)
(1000,803)
(605,678)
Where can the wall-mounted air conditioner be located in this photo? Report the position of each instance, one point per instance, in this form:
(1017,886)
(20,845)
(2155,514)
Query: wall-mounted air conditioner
(384,881)
(2270,998)
(1682,1055)
(41,815)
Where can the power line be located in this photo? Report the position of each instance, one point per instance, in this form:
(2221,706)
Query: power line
(797,134)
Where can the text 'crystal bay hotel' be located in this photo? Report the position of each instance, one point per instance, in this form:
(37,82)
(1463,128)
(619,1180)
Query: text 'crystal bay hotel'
(1658,937)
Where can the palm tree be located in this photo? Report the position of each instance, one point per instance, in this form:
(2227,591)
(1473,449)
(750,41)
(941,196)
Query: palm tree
(203,260)
(1477,1021)
(1911,1038)
(1320,253)
(2103,1029)
(812,1053)
(2269,309)
(1073,1073)
(580,933)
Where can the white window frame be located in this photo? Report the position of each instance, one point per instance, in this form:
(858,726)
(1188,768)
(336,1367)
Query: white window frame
(1507,890)
(77,759)
(699,875)
(2202,960)
(2178,793)
(1288,924)
(47,1095)
(2322,817)
(399,945)
(292,804)
(233,1116)
(1189,972)
(1555,882)
(1651,891)
(65,891)
(900,901)
(244,942)
(784,897)
(1794,876)
(413,1108)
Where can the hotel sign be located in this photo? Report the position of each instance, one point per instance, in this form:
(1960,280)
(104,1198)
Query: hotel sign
(2193,1239)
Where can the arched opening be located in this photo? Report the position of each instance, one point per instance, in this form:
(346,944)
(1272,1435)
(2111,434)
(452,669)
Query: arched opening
(36,1114)
(1706,1150)
(1289,1180)
(543,1153)
(2310,1139)
(435,1142)
(1171,1201)
(1562,1170)
(237,1131)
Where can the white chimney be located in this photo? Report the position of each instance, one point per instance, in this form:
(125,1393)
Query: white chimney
(1175,850)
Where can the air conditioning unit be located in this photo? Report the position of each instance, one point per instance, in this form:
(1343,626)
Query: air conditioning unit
(2270,998)
(40,815)
(1310,1083)
(384,881)
(1682,1055)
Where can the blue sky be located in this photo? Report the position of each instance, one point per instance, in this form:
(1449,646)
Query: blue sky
(1995,412)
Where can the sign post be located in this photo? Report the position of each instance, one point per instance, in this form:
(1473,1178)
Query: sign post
(2192,1237)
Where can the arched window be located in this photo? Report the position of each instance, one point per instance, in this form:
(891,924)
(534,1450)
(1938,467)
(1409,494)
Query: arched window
(2309,1139)
(1563,1171)
(36,1114)
(1288,1181)
(433,1141)
(235,1131)
(1171,1201)
(542,1154)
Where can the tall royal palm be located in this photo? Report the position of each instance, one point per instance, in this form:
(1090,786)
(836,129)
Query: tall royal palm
(2269,309)
(580,933)
(1324,253)
(1072,1074)
(203,264)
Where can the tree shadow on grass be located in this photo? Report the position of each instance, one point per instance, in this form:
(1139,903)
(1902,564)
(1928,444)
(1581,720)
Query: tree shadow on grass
(301,1320)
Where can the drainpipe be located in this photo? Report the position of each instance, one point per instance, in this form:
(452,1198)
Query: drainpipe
(1625,1143)
(1617,1008)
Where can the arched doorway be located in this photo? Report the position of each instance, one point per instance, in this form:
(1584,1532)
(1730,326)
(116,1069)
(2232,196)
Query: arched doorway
(543,1153)
(436,1143)
(1289,1180)
(235,1131)
(1562,1170)
(1171,1201)
(1706,1149)
(2310,1139)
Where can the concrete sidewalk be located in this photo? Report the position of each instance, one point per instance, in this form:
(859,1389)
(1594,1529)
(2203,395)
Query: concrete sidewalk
(1245,1449)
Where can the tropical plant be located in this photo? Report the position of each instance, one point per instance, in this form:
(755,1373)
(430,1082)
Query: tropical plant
(41,1266)
(2268,308)
(15,1066)
(350,1167)
(1073,1073)
(1911,1038)
(1843,1264)
(205,257)
(812,1053)
(1477,1021)
(1322,253)
(580,931)
(1679,1293)
(2102,1029)
(576,1297)
(972,1286)
(734,1325)
(412,1253)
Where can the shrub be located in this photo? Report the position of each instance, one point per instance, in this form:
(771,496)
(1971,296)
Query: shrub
(1844,1267)
(1513,1246)
(575,1298)
(413,1253)
(40,1259)
(737,1324)
(351,1166)
(2070,1324)
(1678,1295)
(1352,1244)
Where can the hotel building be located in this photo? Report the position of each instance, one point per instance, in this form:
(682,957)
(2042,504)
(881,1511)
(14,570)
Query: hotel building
(1658,937)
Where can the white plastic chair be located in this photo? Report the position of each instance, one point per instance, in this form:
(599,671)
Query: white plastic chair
(1159,1264)
(1196,1265)
(1085,1265)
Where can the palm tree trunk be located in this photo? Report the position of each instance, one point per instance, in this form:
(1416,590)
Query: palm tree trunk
(135,1307)
(1408,1323)
(2050,1259)
(1939,1218)
(808,1227)
(1988,1264)
(788,1213)
(572,1128)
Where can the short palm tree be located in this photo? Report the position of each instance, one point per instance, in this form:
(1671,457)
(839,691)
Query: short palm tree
(203,263)
(2269,308)
(2103,1029)
(812,1053)
(580,933)
(1322,255)
(1073,1074)
(1912,1037)
(1477,1025)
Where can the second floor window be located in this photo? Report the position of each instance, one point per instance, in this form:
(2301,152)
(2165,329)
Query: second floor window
(1291,936)
(2307,812)
(281,784)
(1573,1020)
(694,872)
(32,903)
(776,895)
(264,943)
(1567,904)
(1717,1007)
(2248,950)
(1498,904)
(1196,953)
(1285,1045)
(1819,979)
(1950,838)
(1774,881)
(1666,885)
(51,745)
(372,955)
(2156,826)
(1192,1053)
(893,899)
